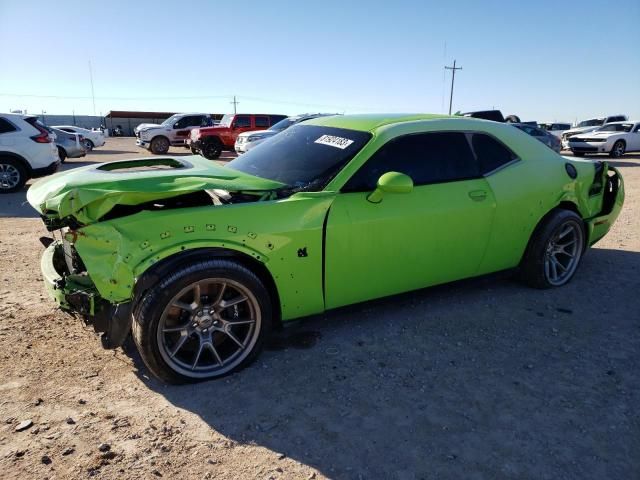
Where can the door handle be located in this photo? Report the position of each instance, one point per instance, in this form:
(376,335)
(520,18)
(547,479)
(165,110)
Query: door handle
(478,195)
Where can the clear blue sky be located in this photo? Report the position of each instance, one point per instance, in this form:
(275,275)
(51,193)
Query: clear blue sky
(546,60)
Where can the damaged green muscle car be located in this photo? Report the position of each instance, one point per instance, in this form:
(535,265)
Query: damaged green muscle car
(199,261)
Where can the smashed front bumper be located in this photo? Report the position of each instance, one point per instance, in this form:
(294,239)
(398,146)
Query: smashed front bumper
(76,294)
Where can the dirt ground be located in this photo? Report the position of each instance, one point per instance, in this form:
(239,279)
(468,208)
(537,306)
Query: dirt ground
(482,379)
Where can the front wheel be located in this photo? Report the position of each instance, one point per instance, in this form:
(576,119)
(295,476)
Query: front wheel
(554,251)
(88,145)
(13,175)
(202,322)
(618,149)
(160,145)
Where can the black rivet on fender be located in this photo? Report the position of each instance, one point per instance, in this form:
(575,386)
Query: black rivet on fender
(571,170)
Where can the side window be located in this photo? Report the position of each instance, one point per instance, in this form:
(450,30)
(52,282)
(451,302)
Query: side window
(70,130)
(183,122)
(205,121)
(491,154)
(637,129)
(195,121)
(6,127)
(262,122)
(425,157)
(242,121)
(618,118)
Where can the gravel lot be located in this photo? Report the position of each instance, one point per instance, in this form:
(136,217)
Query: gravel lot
(481,379)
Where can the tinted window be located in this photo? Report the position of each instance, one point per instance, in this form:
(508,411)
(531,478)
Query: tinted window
(491,154)
(276,118)
(637,128)
(618,118)
(425,157)
(6,127)
(262,122)
(242,121)
(304,157)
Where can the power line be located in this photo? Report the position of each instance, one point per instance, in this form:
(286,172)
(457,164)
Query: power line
(453,79)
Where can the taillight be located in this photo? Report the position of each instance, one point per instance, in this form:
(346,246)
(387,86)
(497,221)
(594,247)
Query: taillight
(43,137)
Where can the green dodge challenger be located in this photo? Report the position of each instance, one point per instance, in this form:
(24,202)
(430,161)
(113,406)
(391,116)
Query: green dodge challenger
(199,261)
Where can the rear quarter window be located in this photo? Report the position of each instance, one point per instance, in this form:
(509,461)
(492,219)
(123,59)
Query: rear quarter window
(491,153)
(5,126)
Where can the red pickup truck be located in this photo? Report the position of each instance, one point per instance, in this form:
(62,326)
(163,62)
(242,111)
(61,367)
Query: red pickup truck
(211,141)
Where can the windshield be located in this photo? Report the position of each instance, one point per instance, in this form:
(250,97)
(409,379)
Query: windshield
(617,127)
(226,120)
(596,122)
(283,124)
(304,157)
(169,121)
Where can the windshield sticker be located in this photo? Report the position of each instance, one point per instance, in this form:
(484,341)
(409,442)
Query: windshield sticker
(334,141)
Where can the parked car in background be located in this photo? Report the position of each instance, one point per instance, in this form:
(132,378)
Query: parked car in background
(555,128)
(248,140)
(92,138)
(70,145)
(27,150)
(614,138)
(589,126)
(541,135)
(174,131)
(210,142)
(198,261)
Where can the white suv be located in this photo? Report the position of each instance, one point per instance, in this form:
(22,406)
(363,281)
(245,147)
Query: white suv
(27,150)
(92,138)
(173,131)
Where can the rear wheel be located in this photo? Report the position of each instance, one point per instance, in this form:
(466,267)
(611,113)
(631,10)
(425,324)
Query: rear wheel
(554,251)
(160,145)
(13,175)
(62,154)
(204,321)
(212,148)
(618,149)
(88,145)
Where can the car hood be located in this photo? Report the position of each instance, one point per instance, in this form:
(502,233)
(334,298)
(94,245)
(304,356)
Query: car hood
(144,126)
(594,134)
(84,195)
(263,133)
(580,130)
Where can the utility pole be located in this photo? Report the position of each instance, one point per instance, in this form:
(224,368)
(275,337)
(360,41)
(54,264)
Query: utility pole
(93,97)
(453,79)
(235,103)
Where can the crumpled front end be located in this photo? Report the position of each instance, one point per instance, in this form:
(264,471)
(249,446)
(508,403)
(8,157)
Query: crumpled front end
(73,290)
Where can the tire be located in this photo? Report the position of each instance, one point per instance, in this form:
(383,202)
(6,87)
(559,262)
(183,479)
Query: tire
(212,148)
(578,154)
(618,149)
(62,154)
(13,175)
(160,145)
(193,150)
(159,326)
(88,144)
(560,227)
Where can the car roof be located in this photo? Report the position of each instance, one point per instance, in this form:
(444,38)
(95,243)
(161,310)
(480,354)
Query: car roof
(369,122)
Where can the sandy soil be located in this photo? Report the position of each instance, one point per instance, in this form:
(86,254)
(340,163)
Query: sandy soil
(480,379)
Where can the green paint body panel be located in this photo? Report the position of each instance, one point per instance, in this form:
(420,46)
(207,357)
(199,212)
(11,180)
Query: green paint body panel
(361,250)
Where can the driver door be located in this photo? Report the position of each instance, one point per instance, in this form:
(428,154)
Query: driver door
(436,233)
